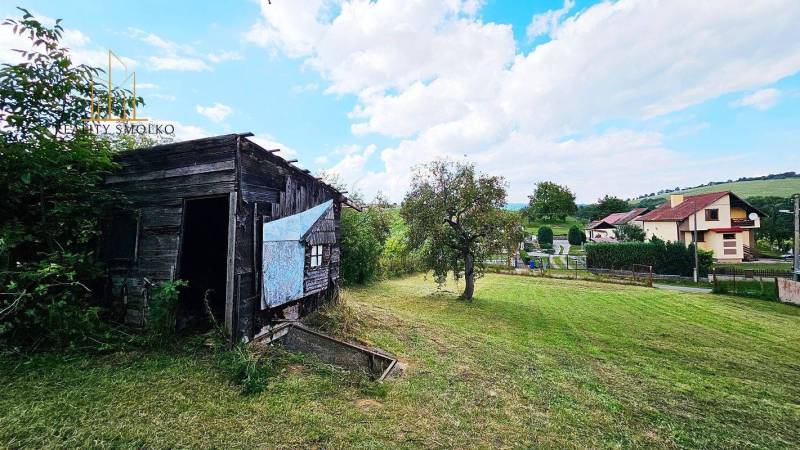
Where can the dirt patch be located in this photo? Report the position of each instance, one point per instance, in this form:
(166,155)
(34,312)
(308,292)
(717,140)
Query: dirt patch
(368,404)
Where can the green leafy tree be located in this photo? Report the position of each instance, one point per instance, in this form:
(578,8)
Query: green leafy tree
(457,213)
(545,237)
(363,237)
(609,205)
(776,228)
(51,200)
(551,201)
(575,235)
(511,232)
(628,232)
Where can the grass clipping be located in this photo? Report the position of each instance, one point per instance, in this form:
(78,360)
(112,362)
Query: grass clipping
(337,319)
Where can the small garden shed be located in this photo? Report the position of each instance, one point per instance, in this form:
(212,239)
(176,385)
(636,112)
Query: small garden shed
(231,218)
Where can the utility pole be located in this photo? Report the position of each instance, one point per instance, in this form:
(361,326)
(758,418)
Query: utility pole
(796,237)
(696,260)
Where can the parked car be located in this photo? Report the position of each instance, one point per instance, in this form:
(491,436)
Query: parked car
(788,257)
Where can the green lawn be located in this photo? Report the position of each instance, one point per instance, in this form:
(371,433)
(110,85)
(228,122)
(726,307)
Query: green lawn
(530,362)
(559,228)
(756,188)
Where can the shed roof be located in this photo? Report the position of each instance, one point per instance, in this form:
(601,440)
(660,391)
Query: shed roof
(294,227)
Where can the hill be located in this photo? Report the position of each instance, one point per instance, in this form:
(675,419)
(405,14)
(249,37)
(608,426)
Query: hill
(783,187)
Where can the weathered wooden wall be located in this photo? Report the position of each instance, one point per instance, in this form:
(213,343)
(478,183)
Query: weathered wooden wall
(270,189)
(156,181)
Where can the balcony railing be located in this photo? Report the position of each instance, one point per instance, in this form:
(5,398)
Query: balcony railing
(743,223)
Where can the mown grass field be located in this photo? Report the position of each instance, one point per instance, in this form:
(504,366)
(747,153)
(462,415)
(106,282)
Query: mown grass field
(756,188)
(529,363)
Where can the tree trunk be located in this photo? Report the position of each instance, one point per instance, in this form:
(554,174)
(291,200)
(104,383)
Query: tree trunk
(469,276)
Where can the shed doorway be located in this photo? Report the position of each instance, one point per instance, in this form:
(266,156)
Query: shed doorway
(203,263)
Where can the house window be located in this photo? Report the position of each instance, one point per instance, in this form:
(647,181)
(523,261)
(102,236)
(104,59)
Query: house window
(316,255)
(727,236)
(712,215)
(701,236)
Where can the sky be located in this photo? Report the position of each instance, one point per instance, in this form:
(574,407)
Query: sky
(619,97)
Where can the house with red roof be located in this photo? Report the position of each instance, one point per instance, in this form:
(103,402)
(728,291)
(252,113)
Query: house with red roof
(725,224)
(603,229)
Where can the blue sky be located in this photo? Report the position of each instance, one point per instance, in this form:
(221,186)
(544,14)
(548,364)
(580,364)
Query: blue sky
(623,97)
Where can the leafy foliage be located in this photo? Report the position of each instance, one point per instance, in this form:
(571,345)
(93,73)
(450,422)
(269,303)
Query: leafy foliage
(673,258)
(51,201)
(458,214)
(628,232)
(575,236)
(398,258)
(776,228)
(363,235)
(551,201)
(604,206)
(162,308)
(545,236)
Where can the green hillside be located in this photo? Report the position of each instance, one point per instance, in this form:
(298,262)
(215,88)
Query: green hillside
(757,188)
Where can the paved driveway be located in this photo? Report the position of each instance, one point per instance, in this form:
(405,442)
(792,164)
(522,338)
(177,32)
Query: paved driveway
(561,247)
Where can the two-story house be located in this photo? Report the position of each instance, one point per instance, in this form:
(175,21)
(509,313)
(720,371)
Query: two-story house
(724,222)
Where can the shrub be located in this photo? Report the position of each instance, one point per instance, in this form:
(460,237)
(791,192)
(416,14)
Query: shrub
(629,232)
(672,258)
(545,237)
(162,308)
(51,193)
(575,235)
(397,258)
(363,234)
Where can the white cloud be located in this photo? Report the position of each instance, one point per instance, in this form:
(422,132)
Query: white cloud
(548,22)
(308,87)
(166,46)
(433,74)
(223,56)
(216,112)
(177,63)
(178,57)
(166,97)
(761,100)
(268,142)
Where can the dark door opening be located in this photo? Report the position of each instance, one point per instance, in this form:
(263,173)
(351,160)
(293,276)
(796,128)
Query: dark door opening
(203,263)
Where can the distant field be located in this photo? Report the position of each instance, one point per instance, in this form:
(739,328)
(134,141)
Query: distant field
(759,188)
(559,228)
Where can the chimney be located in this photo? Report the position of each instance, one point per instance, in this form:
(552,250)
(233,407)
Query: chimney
(675,200)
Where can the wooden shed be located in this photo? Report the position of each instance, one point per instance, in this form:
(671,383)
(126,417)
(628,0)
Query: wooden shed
(199,211)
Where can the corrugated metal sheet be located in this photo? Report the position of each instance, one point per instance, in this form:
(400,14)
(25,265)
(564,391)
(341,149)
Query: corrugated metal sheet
(283,272)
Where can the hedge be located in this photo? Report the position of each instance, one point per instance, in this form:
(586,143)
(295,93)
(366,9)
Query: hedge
(668,258)
(545,236)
